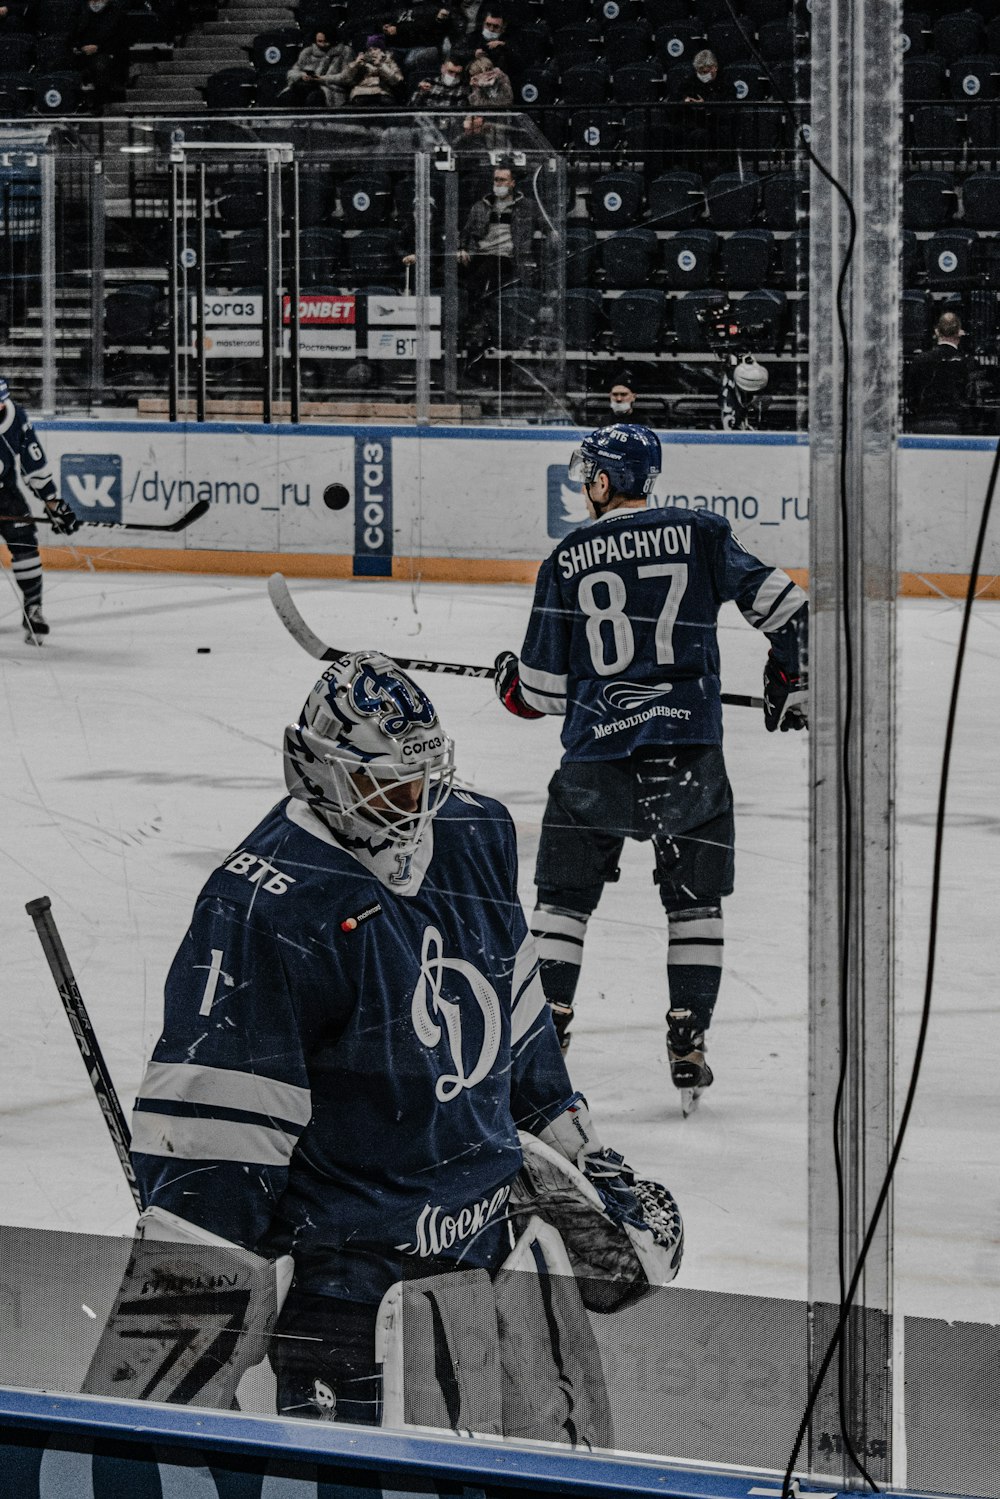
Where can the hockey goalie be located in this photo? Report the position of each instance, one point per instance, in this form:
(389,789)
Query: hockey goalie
(358,1074)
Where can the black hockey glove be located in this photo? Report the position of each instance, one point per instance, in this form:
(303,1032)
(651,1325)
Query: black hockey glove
(507,684)
(64,522)
(786,699)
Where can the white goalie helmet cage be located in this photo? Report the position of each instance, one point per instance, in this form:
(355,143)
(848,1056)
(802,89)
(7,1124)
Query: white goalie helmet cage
(366,730)
(750,375)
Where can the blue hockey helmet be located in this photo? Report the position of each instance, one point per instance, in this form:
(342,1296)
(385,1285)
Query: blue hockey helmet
(4,389)
(629,455)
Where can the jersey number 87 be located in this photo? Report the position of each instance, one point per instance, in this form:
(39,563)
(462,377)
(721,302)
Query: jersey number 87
(614,613)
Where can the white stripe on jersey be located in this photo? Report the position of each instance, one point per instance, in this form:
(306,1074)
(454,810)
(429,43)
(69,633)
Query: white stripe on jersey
(183,1082)
(529,1006)
(543,681)
(187,1139)
(776,601)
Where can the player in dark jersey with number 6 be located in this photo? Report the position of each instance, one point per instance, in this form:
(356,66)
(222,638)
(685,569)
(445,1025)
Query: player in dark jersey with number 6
(623,641)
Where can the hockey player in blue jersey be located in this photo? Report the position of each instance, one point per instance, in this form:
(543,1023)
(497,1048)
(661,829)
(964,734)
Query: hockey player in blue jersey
(21,451)
(354,1035)
(623,642)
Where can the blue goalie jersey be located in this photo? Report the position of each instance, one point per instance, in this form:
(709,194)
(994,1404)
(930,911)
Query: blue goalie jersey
(623,635)
(343,1068)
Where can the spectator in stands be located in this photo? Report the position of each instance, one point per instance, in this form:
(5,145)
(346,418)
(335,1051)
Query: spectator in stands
(372,79)
(309,77)
(14,16)
(100,47)
(419,32)
(497,41)
(620,409)
(497,240)
(489,86)
(447,91)
(704,86)
(940,381)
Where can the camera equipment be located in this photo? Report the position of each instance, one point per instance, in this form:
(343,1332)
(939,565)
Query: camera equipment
(730,337)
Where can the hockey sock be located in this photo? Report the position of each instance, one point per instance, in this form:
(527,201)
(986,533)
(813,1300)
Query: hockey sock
(26,566)
(694,967)
(559,933)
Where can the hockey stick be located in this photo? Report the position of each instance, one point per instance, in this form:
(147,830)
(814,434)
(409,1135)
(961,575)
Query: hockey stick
(296,626)
(40,911)
(198,509)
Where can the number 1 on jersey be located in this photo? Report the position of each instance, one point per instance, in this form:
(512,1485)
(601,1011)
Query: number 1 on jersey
(614,613)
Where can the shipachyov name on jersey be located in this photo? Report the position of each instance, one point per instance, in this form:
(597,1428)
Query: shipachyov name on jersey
(650,541)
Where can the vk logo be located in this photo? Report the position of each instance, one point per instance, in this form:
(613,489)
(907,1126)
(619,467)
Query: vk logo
(92,484)
(567,507)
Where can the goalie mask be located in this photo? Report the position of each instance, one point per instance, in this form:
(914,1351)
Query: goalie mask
(368,753)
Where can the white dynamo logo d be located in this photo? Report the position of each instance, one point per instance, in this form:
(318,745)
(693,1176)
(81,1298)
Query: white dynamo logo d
(92,491)
(628,695)
(429,1000)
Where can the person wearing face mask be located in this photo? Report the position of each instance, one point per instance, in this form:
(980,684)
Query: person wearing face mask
(621,406)
(309,77)
(100,49)
(704,87)
(497,251)
(417,33)
(447,91)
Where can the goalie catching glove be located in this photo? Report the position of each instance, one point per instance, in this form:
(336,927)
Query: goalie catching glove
(786,698)
(622,1234)
(507,684)
(194,1312)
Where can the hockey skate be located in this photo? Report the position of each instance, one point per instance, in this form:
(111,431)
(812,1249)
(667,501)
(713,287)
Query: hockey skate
(689,1071)
(35,624)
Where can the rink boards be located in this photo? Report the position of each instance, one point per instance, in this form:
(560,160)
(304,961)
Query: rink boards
(470,504)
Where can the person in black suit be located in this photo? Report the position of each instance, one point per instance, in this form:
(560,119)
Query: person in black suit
(940,382)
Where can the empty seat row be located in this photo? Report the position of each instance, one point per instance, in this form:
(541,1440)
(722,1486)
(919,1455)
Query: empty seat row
(943,130)
(639,321)
(730,200)
(933,199)
(951,258)
(974,77)
(40,93)
(958,34)
(691,258)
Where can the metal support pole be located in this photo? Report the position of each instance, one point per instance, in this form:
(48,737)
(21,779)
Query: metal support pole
(97,259)
(422,283)
(449,288)
(856,128)
(294,294)
(174,324)
(200,349)
(272,252)
(47,173)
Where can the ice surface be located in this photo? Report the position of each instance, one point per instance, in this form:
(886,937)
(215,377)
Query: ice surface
(131,763)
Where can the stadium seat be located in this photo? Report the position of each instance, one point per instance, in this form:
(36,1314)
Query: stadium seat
(733,200)
(611,12)
(627,42)
(915,32)
(676,200)
(57,93)
(980,201)
(320,253)
(928,200)
(691,337)
(915,319)
(743,80)
(616,200)
(761,128)
(538,86)
(726,40)
(242,210)
(689,258)
(786,200)
(677,42)
(776,41)
(17,93)
(636,319)
(513,317)
(637,83)
(584,84)
(937,128)
(974,77)
(584,317)
(17,52)
(759,12)
(365,200)
(768,307)
(534,45)
(910,256)
(981,321)
(594,133)
(316,197)
(232,89)
(643,136)
(245,263)
(276,49)
(982,126)
(374,255)
(666,12)
(559,13)
(272,91)
(132,314)
(581,254)
(628,259)
(950,259)
(795,260)
(574,44)
(745,259)
(792,81)
(923,79)
(959,34)
(992,38)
